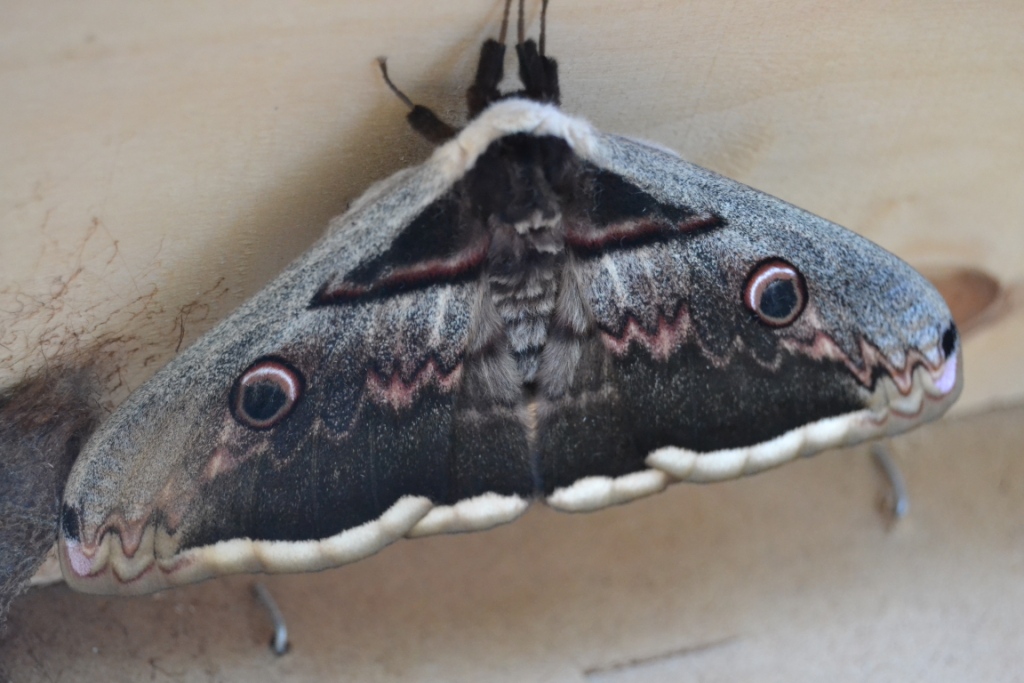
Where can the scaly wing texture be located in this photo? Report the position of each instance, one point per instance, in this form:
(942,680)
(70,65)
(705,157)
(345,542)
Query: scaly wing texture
(538,310)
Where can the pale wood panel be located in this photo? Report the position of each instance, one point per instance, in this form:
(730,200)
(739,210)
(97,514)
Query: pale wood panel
(163,160)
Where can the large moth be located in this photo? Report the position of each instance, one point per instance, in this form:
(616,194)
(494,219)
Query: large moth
(538,311)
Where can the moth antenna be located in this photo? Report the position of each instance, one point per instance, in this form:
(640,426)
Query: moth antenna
(543,26)
(422,119)
(383,62)
(504,22)
(521,30)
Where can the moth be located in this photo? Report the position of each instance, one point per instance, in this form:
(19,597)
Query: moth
(540,311)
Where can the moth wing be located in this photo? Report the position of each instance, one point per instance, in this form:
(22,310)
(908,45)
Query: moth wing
(363,341)
(680,379)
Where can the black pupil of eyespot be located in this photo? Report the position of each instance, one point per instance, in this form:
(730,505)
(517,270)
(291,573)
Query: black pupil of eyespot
(949,340)
(261,401)
(779,299)
(69,522)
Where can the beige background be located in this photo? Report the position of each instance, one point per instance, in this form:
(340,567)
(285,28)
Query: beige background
(163,160)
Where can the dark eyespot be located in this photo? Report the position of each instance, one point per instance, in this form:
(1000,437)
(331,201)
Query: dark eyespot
(949,340)
(69,523)
(775,292)
(266,393)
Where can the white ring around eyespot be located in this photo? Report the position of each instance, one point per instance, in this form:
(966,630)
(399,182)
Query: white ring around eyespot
(275,369)
(774,269)
(755,284)
(267,369)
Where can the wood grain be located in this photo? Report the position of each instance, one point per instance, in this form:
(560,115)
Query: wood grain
(163,161)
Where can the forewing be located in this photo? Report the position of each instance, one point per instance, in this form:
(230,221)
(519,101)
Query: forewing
(316,424)
(679,378)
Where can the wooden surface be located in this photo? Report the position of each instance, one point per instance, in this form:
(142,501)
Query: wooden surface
(164,160)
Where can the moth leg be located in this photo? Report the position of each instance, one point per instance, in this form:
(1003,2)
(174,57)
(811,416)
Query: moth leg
(422,119)
(897,500)
(543,25)
(279,642)
(491,68)
(538,72)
